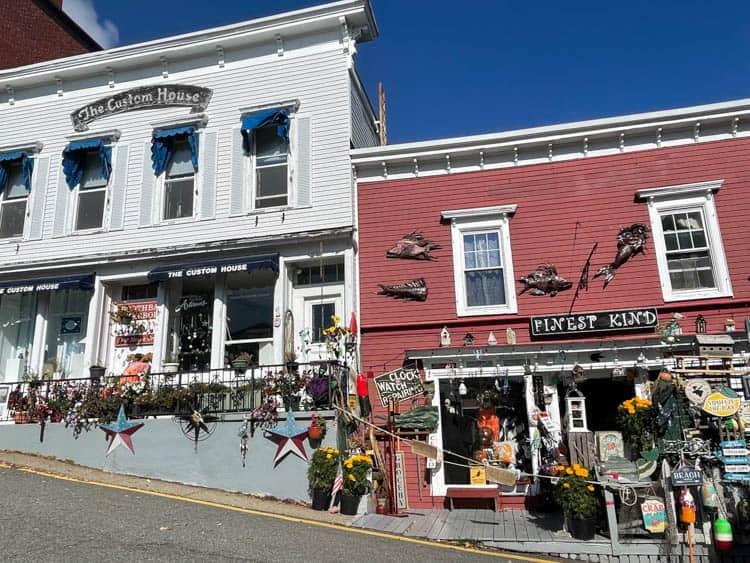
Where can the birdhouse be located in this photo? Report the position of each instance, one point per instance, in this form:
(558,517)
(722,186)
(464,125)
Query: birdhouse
(445,337)
(575,407)
(491,339)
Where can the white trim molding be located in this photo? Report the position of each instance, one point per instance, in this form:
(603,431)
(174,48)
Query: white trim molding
(291,105)
(482,220)
(682,190)
(689,198)
(112,135)
(196,119)
(32,147)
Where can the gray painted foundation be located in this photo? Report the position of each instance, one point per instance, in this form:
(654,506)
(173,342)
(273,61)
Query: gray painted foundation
(163,452)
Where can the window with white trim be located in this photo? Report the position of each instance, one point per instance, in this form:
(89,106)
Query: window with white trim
(13,202)
(482,263)
(270,168)
(687,241)
(179,182)
(92,193)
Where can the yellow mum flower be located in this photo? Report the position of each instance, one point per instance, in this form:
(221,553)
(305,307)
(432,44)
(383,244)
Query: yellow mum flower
(576,466)
(590,488)
(328,456)
(566,485)
(584,472)
(569,471)
(352,477)
(336,319)
(349,464)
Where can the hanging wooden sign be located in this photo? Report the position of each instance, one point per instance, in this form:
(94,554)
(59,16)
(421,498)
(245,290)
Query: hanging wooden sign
(398,385)
(654,515)
(610,321)
(424,450)
(722,403)
(500,475)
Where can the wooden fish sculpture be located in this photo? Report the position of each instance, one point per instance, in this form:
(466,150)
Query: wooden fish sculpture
(414,290)
(630,242)
(545,281)
(413,246)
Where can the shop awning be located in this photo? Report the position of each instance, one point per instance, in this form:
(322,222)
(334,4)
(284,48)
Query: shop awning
(161,147)
(40,285)
(27,165)
(74,159)
(212,267)
(253,121)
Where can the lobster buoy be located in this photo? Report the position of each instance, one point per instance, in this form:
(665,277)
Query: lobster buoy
(723,534)
(687,507)
(710,497)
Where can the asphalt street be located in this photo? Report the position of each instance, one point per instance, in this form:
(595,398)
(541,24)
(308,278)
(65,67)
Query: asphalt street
(48,519)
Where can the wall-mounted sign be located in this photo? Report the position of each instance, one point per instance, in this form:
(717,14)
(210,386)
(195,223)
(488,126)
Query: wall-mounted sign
(696,391)
(686,477)
(600,321)
(723,402)
(610,444)
(654,515)
(140,332)
(165,95)
(402,501)
(398,385)
(71,325)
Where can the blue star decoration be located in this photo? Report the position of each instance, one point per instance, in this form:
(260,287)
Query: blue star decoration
(290,438)
(120,432)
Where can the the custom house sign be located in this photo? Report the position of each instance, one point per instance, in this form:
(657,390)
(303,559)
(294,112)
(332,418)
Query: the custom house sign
(600,321)
(144,97)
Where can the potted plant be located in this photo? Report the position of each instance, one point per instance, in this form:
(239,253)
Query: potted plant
(576,496)
(124,314)
(241,362)
(317,428)
(96,372)
(356,482)
(171,366)
(633,419)
(320,476)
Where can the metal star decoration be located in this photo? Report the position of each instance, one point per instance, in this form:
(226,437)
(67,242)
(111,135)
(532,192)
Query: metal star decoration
(290,438)
(120,432)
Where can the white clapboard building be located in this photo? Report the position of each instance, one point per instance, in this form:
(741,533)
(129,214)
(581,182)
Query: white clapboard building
(178,197)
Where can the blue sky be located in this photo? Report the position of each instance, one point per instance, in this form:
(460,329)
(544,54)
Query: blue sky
(460,68)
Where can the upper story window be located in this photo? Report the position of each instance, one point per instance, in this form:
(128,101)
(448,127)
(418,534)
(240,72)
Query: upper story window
(266,142)
(15,184)
(174,153)
(88,165)
(687,241)
(482,262)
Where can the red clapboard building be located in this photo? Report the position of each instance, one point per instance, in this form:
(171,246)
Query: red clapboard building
(498,357)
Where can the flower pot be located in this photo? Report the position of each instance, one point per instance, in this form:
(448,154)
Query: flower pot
(240,366)
(22,417)
(315,432)
(96,373)
(170,367)
(583,528)
(349,504)
(321,498)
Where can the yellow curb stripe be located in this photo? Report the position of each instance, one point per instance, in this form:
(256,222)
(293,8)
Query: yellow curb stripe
(295,519)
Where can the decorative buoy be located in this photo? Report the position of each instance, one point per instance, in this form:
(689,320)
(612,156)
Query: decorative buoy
(723,534)
(687,507)
(710,497)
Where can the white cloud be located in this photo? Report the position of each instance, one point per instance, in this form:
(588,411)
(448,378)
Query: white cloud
(84,14)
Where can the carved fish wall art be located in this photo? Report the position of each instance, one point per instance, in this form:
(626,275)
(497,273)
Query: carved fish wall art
(544,281)
(630,242)
(414,290)
(413,246)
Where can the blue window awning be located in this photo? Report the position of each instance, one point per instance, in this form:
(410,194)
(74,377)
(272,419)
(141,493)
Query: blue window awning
(161,147)
(212,267)
(74,156)
(27,166)
(39,285)
(253,121)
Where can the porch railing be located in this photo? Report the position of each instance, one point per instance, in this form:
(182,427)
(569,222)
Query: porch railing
(257,389)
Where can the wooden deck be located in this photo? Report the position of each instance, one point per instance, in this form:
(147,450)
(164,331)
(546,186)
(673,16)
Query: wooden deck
(540,533)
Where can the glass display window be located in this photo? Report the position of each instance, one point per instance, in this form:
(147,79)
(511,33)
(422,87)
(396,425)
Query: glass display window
(249,306)
(17,318)
(65,341)
(191,323)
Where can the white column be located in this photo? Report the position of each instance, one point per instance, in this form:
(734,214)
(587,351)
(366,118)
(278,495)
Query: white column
(219,322)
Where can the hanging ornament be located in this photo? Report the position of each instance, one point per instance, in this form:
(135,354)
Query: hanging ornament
(710,497)
(120,432)
(510,336)
(462,389)
(242,433)
(445,337)
(197,426)
(687,507)
(290,438)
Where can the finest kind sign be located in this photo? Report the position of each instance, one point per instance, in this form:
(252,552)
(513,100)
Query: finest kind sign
(167,95)
(600,321)
(398,385)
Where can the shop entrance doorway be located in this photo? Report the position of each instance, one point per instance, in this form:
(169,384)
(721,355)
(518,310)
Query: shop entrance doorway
(602,399)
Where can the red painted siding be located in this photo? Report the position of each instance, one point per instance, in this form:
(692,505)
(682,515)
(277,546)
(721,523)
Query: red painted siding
(563,209)
(32,31)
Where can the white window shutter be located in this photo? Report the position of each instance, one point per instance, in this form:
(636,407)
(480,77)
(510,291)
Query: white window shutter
(38,198)
(62,199)
(237,186)
(303,168)
(148,184)
(119,183)
(207,168)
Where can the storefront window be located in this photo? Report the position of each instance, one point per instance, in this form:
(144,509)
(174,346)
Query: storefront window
(17,315)
(190,324)
(484,419)
(249,310)
(66,333)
